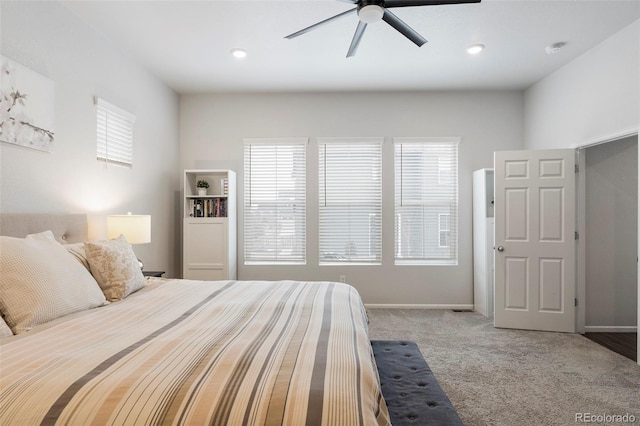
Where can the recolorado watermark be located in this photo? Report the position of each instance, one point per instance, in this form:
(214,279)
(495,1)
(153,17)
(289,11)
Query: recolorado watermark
(605,418)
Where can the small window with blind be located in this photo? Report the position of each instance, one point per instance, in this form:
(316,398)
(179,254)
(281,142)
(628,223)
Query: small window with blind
(426,201)
(275,201)
(350,200)
(114,133)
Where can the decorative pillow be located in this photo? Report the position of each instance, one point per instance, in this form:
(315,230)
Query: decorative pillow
(115,266)
(41,282)
(4,329)
(77,250)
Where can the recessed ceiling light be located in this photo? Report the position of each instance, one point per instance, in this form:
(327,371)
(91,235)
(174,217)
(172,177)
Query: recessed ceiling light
(239,53)
(474,49)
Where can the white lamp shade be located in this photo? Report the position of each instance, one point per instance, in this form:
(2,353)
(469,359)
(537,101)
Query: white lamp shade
(136,228)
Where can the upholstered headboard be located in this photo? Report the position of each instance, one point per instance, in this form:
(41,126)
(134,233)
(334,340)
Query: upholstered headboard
(67,228)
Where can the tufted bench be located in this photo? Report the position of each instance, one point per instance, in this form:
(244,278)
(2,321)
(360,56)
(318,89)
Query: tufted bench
(410,389)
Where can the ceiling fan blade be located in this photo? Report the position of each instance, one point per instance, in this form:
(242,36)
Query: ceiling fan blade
(403,28)
(319,24)
(350,1)
(357,36)
(405,3)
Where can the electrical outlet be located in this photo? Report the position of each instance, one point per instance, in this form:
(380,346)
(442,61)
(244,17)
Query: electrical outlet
(343,278)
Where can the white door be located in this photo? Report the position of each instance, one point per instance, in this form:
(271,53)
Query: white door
(535,269)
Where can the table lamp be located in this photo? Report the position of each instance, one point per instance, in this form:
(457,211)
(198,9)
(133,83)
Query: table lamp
(136,228)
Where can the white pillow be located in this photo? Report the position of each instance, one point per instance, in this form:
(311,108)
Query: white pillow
(41,282)
(77,250)
(115,266)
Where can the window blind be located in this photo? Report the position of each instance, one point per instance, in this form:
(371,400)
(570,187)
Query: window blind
(114,133)
(275,201)
(350,200)
(426,201)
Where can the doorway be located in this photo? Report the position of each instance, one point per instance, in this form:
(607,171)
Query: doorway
(610,243)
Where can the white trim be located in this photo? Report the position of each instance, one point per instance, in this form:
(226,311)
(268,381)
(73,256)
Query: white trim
(349,140)
(581,249)
(275,141)
(610,329)
(427,139)
(625,133)
(581,284)
(461,307)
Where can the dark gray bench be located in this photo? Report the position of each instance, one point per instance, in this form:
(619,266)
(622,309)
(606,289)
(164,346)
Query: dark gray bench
(410,389)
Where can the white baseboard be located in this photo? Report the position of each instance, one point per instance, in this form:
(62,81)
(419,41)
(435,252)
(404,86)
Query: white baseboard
(610,329)
(418,306)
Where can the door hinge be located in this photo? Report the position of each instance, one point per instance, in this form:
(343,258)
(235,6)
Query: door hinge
(575,302)
(576,235)
(576,168)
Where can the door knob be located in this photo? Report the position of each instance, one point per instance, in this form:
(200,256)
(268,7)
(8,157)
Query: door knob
(500,248)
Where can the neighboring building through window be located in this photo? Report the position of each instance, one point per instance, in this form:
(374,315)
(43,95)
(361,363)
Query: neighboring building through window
(350,200)
(114,133)
(444,230)
(275,201)
(426,201)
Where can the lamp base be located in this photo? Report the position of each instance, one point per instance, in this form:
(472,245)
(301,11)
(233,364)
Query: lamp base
(140,264)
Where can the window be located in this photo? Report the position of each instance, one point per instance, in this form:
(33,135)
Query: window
(114,133)
(275,201)
(350,200)
(426,201)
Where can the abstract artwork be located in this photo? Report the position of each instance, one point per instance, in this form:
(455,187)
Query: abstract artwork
(26,106)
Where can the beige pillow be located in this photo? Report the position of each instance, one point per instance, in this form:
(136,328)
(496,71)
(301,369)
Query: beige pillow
(115,266)
(41,282)
(4,329)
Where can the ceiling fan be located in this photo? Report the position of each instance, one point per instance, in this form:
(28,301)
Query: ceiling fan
(370,11)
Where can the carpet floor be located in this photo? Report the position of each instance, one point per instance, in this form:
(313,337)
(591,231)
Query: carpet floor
(516,377)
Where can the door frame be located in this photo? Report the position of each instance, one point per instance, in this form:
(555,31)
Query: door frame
(581,223)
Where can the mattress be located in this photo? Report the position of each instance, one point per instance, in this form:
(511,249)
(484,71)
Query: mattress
(199,352)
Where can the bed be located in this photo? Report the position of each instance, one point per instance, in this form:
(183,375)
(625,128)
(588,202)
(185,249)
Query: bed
(176,351)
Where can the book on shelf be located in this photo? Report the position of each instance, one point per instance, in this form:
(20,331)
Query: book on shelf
(208,207)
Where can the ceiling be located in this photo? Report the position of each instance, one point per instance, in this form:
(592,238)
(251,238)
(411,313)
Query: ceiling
(187,43)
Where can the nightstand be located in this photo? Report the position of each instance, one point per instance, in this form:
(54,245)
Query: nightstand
(152,273)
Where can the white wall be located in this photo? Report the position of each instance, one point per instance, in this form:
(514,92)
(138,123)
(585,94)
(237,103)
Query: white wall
(594,97)
(47,38)
(611,174)
(212,128)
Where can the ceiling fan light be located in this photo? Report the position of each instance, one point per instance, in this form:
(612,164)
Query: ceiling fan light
(474,49)
(370,13)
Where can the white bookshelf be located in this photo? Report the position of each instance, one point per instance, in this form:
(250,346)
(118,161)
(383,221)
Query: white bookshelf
(209,226)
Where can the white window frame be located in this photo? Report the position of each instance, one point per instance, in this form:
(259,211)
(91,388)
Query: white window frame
(433,253)
(114,133)
(332,252)
(279,255)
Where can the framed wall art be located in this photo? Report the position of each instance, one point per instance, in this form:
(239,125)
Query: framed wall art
(26,106)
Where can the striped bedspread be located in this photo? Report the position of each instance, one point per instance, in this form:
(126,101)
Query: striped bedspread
(199,353)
